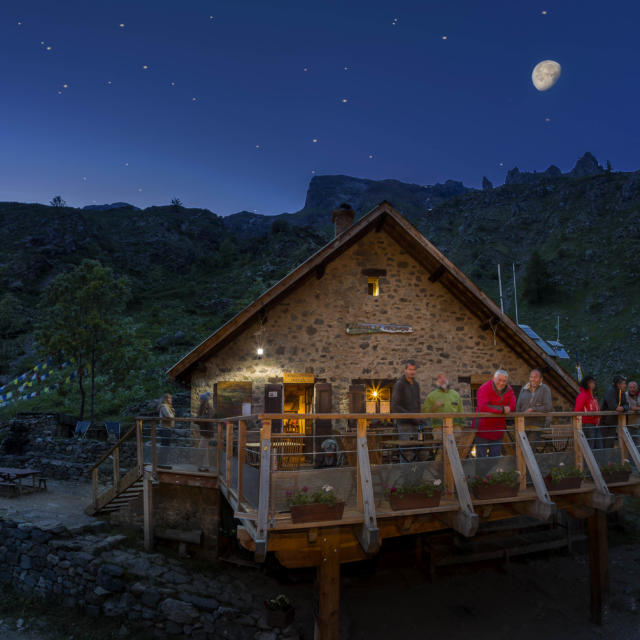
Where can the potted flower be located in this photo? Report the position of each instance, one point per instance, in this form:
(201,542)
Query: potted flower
(415,496)
(313,507)
(280,612)
(564,477)
(500,484)
(616,472)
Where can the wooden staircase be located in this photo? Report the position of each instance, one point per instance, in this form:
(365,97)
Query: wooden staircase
(123,489)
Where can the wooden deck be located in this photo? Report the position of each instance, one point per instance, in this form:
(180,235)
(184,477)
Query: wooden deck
(255,467)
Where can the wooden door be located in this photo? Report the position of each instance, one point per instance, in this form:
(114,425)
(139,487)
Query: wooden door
(273,403)
(323,404)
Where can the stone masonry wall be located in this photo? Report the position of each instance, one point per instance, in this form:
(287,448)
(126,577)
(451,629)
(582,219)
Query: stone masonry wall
(306,332)
(93,572)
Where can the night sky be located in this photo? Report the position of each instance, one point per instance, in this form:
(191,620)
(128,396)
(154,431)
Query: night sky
(234,105)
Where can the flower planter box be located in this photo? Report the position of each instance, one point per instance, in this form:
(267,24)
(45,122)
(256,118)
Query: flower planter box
(493,491)
(616,476)
(316,512)
(564,484)
(281,618)
(414,501)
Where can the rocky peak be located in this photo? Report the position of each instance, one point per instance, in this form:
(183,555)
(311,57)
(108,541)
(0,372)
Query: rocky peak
(586,166)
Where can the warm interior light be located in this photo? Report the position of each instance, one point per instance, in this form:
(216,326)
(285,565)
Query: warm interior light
(260,351)
(375,394)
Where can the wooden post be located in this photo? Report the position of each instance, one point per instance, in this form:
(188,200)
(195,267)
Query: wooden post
(465,520)
(116,468)
(154,448)
(228,455)
(598,566)
(328,620)
(263,496)
(139,446)
(361,429)
(576,422)
(369,536)
(520,461)
(447,429)
(242,455)
(147,499)
(219,450)
(622,423)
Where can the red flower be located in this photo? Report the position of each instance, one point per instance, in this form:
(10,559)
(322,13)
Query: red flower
(304,489)
(393,490)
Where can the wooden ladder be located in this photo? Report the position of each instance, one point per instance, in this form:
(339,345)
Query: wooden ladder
(122,490)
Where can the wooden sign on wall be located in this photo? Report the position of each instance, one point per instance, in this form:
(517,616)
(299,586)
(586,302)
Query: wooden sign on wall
(298,378)
(377,327)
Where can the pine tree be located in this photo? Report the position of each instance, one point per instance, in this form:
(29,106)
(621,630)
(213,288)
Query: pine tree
(537,285)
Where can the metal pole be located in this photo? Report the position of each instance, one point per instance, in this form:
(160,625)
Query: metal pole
(500,289)
(515,290)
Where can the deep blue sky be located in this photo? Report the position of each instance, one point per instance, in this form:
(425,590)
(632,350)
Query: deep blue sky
(426,109)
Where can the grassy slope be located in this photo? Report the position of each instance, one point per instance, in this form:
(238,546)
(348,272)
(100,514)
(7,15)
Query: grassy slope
(191,271)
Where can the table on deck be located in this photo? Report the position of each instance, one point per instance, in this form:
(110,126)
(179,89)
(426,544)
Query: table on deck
(12,478)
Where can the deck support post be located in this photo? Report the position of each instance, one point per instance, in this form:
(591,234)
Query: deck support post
(598,566)
(263,499)
(327,625)
(601,498)
(465,520)
(543,508)
(369,535)
(147,501)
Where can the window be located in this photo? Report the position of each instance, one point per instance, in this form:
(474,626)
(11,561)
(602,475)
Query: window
(373,285)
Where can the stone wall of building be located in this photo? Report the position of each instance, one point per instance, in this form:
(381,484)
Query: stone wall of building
(306,332)
(98,574)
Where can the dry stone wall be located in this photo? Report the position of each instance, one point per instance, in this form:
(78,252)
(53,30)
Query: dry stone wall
(96,573)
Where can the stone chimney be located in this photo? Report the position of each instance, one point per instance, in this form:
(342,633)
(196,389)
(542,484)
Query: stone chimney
(343,218)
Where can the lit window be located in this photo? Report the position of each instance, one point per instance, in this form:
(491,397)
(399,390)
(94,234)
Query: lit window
(373,286)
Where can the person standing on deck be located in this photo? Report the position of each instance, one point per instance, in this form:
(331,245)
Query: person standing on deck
(406,399)
(614,399)
(167,422)
(494,396)
(443,399)
(633,396)
(205,410)
(535,396)
(586,401)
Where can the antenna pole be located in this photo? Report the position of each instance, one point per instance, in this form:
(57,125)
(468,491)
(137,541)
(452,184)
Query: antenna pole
(558,328)
(515,290)
(500,289)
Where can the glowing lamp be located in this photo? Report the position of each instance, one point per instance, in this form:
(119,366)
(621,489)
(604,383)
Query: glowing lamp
(259,351)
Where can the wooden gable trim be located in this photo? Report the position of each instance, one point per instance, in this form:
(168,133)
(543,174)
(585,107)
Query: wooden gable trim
(329,252)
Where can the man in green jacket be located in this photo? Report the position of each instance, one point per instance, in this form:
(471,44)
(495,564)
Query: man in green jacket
(443,399)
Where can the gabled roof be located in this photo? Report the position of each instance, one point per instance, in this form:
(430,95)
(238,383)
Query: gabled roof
(385,217)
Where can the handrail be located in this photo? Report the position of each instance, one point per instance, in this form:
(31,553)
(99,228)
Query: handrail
(392,416)
(115,446)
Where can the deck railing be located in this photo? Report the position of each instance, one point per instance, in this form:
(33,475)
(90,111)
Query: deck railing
(259,461)
(364,457)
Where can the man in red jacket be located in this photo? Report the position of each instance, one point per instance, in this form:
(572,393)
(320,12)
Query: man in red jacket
(494,396)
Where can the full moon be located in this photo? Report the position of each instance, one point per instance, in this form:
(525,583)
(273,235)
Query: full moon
(545,74)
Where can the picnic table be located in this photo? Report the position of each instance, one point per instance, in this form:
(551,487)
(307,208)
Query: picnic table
(11,479)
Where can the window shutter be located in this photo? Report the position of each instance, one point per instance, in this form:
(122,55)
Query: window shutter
(273,398)
(323,404)
(357,401)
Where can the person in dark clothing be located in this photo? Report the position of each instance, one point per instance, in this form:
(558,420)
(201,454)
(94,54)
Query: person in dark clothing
(614,399)
(406,399)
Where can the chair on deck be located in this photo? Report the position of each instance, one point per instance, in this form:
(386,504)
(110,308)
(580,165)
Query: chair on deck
(82,426)
(288,452)
(112,427)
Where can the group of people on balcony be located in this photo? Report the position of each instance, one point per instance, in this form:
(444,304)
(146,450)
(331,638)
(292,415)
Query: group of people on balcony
(497,396)
(620,397)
